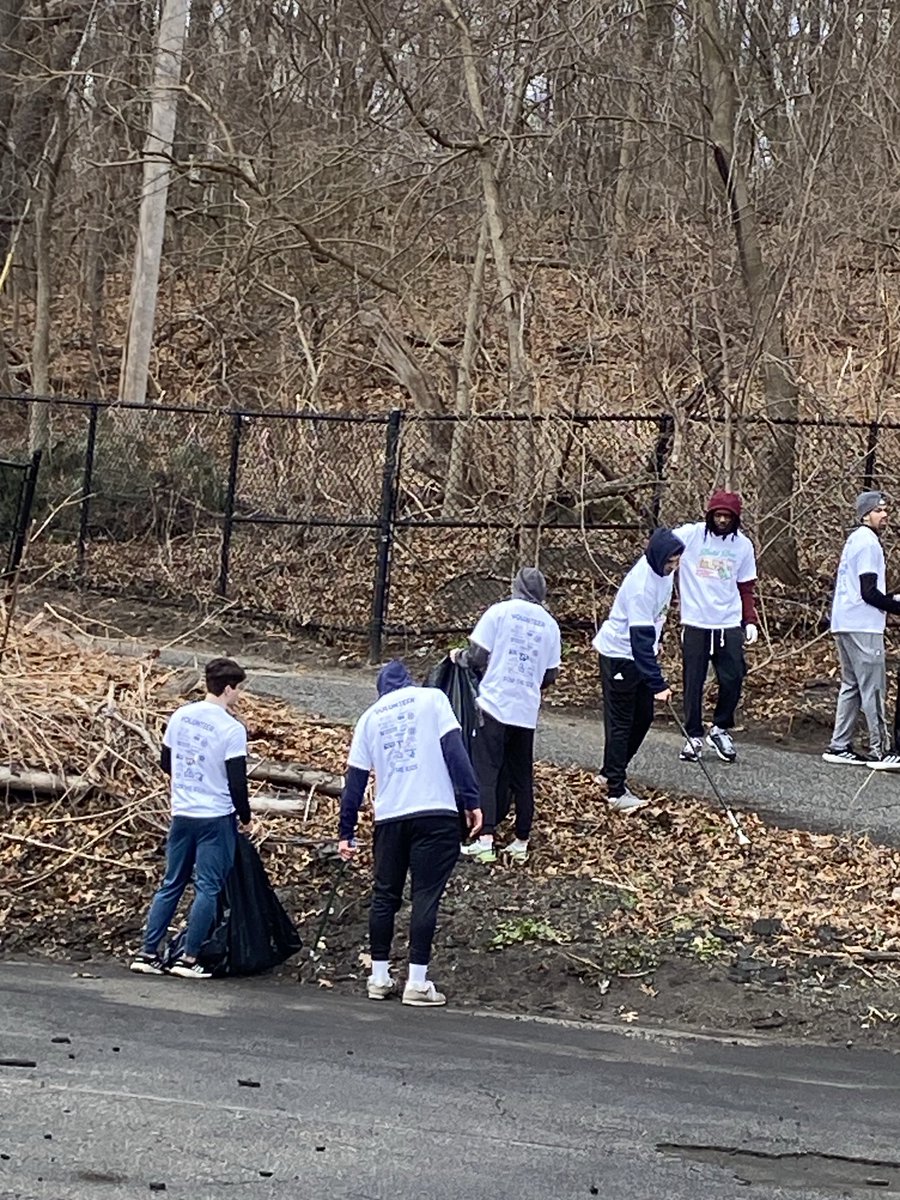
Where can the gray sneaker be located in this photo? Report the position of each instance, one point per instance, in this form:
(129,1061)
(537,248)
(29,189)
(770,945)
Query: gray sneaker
(423,995)
(628,802)
(379,991)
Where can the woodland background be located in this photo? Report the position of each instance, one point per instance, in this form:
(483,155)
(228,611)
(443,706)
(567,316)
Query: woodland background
(684,211)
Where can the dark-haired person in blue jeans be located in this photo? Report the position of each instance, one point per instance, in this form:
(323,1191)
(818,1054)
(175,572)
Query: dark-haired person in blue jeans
(204,753)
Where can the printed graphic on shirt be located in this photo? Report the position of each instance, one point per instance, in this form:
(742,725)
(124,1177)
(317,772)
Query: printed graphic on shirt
(202,737)
(397,734)
(715,563)
(526,640)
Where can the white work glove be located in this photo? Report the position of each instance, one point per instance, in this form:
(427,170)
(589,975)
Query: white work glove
(751,635)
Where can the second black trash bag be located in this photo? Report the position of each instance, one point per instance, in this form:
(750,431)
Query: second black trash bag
(460,686)
(252,933)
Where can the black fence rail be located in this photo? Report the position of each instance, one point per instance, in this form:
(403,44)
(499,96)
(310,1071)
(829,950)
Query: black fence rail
(401,525)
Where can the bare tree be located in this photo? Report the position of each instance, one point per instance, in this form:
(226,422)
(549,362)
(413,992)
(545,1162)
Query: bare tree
(152,218)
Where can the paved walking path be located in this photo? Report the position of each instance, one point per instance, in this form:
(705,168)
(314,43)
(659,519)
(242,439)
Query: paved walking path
(787,786)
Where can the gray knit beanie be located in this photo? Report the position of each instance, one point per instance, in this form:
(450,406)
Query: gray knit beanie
(866,501)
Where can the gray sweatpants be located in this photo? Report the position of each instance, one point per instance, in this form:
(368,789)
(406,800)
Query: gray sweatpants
(863,687)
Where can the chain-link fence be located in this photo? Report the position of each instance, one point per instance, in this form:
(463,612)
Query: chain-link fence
(404,525)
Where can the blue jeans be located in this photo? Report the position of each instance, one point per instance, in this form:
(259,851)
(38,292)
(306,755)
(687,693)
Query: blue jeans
(204,846)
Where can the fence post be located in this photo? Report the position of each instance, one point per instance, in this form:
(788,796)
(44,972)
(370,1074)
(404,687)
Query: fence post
(228,516)
(869,466)
(87,486)
(385,535)
(26,503)
(665,426)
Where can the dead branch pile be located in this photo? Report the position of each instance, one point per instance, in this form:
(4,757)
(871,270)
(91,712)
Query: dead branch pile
(77,872)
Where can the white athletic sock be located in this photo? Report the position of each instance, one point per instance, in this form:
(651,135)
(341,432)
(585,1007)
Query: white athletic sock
(380,971)
(417,975)
(519,844)
(486,840)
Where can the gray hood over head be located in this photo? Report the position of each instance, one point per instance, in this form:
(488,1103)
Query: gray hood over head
(530,585)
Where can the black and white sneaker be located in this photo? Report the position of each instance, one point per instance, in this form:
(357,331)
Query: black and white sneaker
(723,744)
(846,757)
(692,750)
(147,964)
(189,970)
(887,762)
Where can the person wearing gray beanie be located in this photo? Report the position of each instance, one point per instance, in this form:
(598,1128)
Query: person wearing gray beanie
(515,649)
(858,616)
(867,502)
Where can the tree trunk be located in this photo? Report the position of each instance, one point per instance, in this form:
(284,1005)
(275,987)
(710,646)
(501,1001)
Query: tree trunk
(152,218)
(775,451)
(39,414)
(460,465)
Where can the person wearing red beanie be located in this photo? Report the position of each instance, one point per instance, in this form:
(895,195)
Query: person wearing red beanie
(718,615)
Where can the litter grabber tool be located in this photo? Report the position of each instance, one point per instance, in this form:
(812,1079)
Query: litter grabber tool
(741,836)
(326,912)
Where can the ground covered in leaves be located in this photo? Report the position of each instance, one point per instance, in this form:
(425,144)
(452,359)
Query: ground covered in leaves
(659,917)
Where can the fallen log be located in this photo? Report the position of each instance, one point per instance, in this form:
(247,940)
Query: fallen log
(267,771)
(281,804)
(42,783)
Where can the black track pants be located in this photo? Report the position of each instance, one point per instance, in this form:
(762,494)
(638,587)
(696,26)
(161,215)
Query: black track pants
(627,715)
(725,649)
(427,848)
(503,757)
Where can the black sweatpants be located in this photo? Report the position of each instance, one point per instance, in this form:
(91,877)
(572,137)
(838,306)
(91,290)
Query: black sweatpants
(427,848)
(627,715)
(725,647)
(503,758)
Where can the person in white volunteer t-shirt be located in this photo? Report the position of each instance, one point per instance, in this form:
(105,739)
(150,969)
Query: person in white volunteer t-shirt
(516,648)
(204,753)
(858,615)
(412,741)
(718,614)
(630,674)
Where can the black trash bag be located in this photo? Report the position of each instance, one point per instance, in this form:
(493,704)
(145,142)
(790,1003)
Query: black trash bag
(252,932)
(460,686)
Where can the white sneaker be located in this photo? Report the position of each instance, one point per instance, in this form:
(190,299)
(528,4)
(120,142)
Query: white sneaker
(600,779)
(479,851)
(517,850)
(376,990)
(887,762)
(692,750)
(628,802)
(424,995)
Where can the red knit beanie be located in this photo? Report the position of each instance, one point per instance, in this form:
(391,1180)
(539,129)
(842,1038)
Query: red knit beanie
(725,502)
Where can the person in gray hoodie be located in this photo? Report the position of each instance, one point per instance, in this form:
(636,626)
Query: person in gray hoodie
(516,650)
(630,674)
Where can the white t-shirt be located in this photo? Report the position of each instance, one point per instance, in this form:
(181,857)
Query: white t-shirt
(399,738)
(710,570)
(862,555)
(524,643)
(643,599)
(202,737)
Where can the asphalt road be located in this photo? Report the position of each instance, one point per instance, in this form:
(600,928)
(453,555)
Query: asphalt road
(788,787)
(136,1086)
